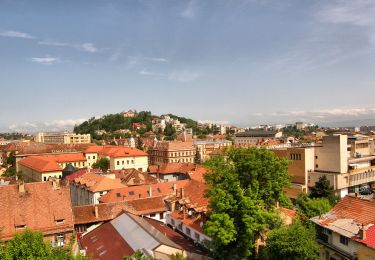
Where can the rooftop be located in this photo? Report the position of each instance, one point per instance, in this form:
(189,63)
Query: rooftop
(94,182)
(115,151)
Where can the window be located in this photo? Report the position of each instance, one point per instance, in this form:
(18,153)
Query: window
(344,240)
(45,178)
(59,221)
(19,227)
(93,157)
(132,161)
(118,162)
(316,166)
(88,157)
(161,215)
(118,195)
(131,193)
(152,215)
(188,231)
(123,162)
(127,161)
(179,226)
(197,236)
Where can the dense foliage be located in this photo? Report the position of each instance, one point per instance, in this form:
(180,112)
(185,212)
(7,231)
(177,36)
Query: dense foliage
(245,187)
(102,163)
(323,189)
(312,207)
(30,245)
(292,242)
(114,122)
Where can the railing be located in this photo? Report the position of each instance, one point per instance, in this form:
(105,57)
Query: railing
(360,170)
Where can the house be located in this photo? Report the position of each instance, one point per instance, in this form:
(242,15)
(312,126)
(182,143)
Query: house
(171,152)
(206,147)
(38,206)
(251,138)
(62,138)
(189,206)
(43,167)
(128,233)
(129,114)
(89,187)
(172,171)
(348,230)
(133,177)
(119,157)
(129,193)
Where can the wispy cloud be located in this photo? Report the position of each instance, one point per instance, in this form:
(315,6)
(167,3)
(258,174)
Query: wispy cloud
(55,125)
(183,76)
(45,60)
(87,47)
(156,59)
(151,73)
(15,34)
(190,10)
(323,114)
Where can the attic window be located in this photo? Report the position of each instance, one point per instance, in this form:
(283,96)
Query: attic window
(158,189)
(118,195)
(19,227)
(59,221)
(102,253)
(131,193)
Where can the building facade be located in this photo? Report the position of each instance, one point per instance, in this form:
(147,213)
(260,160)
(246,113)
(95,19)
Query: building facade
(171,152)
(254,137)
(62,138)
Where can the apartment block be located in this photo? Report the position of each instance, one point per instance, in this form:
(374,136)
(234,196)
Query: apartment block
(171,152)
(62,138)
(252,138)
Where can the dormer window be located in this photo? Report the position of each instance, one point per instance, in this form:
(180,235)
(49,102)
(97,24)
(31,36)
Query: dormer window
(59,221)
(20,227)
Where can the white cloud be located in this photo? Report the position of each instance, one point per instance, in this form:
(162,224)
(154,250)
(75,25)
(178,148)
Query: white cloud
(55,125)
(15,34)
(156,59)
(190,10)
(183,76)
(151,73)
(45,60)
(64,123)
(87,47)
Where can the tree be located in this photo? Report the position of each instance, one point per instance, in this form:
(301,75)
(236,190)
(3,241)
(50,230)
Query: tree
(102,163)
(139,143)
(30,245)
(197,157)
(244,189)
(323,189)
(169,130)
(138,255)
(311,207)
(292,242)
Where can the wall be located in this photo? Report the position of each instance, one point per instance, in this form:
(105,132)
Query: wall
(332,156)
(31,175)
(91,159)
(139,163)
(81,196)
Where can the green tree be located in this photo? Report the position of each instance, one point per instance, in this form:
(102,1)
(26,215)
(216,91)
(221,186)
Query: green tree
(292,242)
(169,130)
(178,256)
(244,189)
(139,143)
(197,157)
(312,207)
(138,255)
(102,163)
(323,189)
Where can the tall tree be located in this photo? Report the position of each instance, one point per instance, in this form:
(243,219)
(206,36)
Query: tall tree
(139,143)
(102,163)
(323,189)
(311,207)
(244,189)
(197,157)
(292,242)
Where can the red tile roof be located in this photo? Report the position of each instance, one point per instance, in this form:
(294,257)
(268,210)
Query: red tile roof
(142,191)
(37,208)
(132,177)
(174,146)
(95,182)
(146,206)
(105,243)
(106,211)
(360,210)
(116,151)
(195,223)
(169,168)
(49,163)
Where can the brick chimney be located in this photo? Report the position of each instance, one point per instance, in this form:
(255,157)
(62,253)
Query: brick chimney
(175,189)
(362,232)
(182,193)
(55,184)
(150,191)
(96,211)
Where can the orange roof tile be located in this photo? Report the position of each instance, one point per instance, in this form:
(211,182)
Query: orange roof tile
(146,206)
(106,211)
(37,208)
(116,151)
(95,182)
(136,192)
(168,168)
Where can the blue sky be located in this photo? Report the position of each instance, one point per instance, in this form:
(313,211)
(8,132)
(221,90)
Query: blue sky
(242,61)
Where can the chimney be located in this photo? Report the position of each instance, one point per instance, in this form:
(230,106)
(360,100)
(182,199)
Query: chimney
(55,184)
(150,191)
(182,193)
(362,232)
(21,187)
(96,211)
(175,189)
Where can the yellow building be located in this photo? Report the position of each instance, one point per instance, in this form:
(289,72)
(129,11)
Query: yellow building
(62,138)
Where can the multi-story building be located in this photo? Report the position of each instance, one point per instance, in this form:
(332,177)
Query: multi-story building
(345,161)
(89,187)
(62,138)
(348,230)
(171,151)
(39,206)
(206,147)
(43,167)
(119,157)
(130,113)
(254,137)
